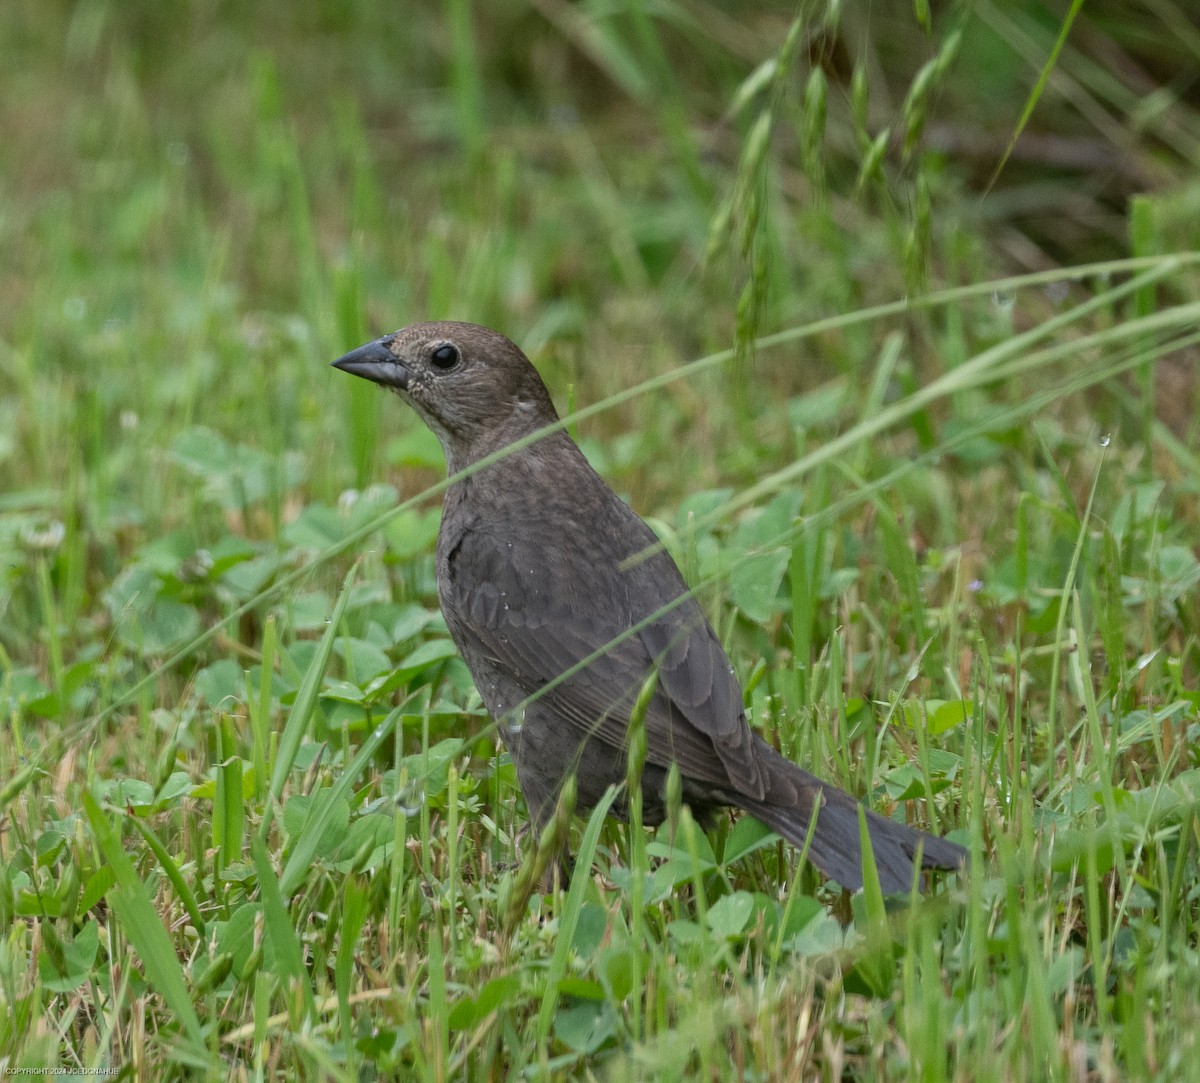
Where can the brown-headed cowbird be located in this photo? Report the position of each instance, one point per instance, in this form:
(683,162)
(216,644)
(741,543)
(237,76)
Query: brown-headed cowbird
(542,574)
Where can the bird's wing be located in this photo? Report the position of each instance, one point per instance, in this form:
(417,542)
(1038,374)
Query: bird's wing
(521,610)
(695,673)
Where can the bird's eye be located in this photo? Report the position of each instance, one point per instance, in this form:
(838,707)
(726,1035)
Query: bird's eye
(445,356)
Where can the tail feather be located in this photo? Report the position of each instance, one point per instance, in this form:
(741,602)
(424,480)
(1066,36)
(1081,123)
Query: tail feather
(835,848)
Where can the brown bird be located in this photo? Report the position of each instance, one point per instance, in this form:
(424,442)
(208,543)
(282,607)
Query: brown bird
(542,573)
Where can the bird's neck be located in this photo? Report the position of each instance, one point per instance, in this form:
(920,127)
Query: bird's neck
(520,428)
(519,468)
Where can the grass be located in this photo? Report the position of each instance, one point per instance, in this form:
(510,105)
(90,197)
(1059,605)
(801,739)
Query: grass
(920,430)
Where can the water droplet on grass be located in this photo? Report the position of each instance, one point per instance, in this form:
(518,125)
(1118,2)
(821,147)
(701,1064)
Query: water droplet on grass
(46,536)
(1057,292)
(411,797)
(513,721)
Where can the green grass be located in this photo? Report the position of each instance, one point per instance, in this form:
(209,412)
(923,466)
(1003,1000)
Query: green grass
(921,431)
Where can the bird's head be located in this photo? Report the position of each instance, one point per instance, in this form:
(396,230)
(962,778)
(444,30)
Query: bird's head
(473,387)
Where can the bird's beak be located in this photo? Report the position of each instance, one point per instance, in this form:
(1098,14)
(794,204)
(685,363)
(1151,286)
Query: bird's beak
(377,363)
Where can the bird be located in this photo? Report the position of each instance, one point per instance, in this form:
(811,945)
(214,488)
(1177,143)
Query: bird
(568,613)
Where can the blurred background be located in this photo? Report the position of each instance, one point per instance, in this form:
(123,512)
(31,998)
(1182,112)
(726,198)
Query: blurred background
(203,202)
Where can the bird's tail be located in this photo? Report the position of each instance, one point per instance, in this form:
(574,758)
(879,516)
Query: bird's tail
(835,847)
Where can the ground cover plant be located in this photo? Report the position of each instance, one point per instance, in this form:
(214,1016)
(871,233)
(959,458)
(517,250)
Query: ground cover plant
(887,321)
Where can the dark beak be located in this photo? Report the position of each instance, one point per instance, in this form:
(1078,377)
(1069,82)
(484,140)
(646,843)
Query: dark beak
(375,362)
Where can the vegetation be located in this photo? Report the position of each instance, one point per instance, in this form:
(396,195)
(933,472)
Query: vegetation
(885,317)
